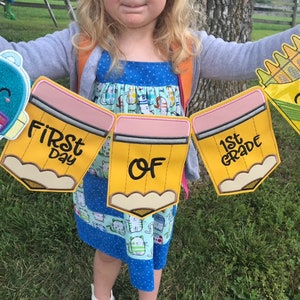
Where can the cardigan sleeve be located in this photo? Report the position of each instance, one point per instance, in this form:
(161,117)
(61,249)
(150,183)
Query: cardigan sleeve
(237,61)
(52,55)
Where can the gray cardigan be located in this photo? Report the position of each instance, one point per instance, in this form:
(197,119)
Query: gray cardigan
(55,57)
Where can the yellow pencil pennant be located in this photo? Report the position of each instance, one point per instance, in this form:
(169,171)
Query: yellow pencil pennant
(236,142)
(62,138)
(281,81)
(146,163)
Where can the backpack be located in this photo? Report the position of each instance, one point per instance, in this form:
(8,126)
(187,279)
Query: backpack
(185,80)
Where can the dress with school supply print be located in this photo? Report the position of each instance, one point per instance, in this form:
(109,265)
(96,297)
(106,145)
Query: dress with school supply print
(144,88)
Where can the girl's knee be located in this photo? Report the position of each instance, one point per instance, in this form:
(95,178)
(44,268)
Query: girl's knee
(105,257)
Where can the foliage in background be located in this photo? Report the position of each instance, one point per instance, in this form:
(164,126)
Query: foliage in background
(237,247)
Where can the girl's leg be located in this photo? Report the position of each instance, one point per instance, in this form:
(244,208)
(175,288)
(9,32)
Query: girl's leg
(106,270)
(152,295)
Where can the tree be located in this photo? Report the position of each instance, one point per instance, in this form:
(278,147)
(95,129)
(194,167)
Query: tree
(232,21)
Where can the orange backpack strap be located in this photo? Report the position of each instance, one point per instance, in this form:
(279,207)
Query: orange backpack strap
(185,79)
(186,82)
(82,58)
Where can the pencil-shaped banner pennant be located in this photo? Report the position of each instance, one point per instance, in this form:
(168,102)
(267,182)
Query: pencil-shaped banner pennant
(63,136)
(146,163)
(281,81)
(236,142)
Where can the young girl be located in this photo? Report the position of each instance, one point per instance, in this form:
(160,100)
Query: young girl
(136,48)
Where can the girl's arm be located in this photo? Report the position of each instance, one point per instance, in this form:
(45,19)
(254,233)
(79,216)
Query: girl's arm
(52,55)
(237,61)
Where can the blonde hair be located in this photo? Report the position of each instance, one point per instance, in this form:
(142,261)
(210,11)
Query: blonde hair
(172,35)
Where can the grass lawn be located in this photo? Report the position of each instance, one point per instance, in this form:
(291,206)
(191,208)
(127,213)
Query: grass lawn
(237,247)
